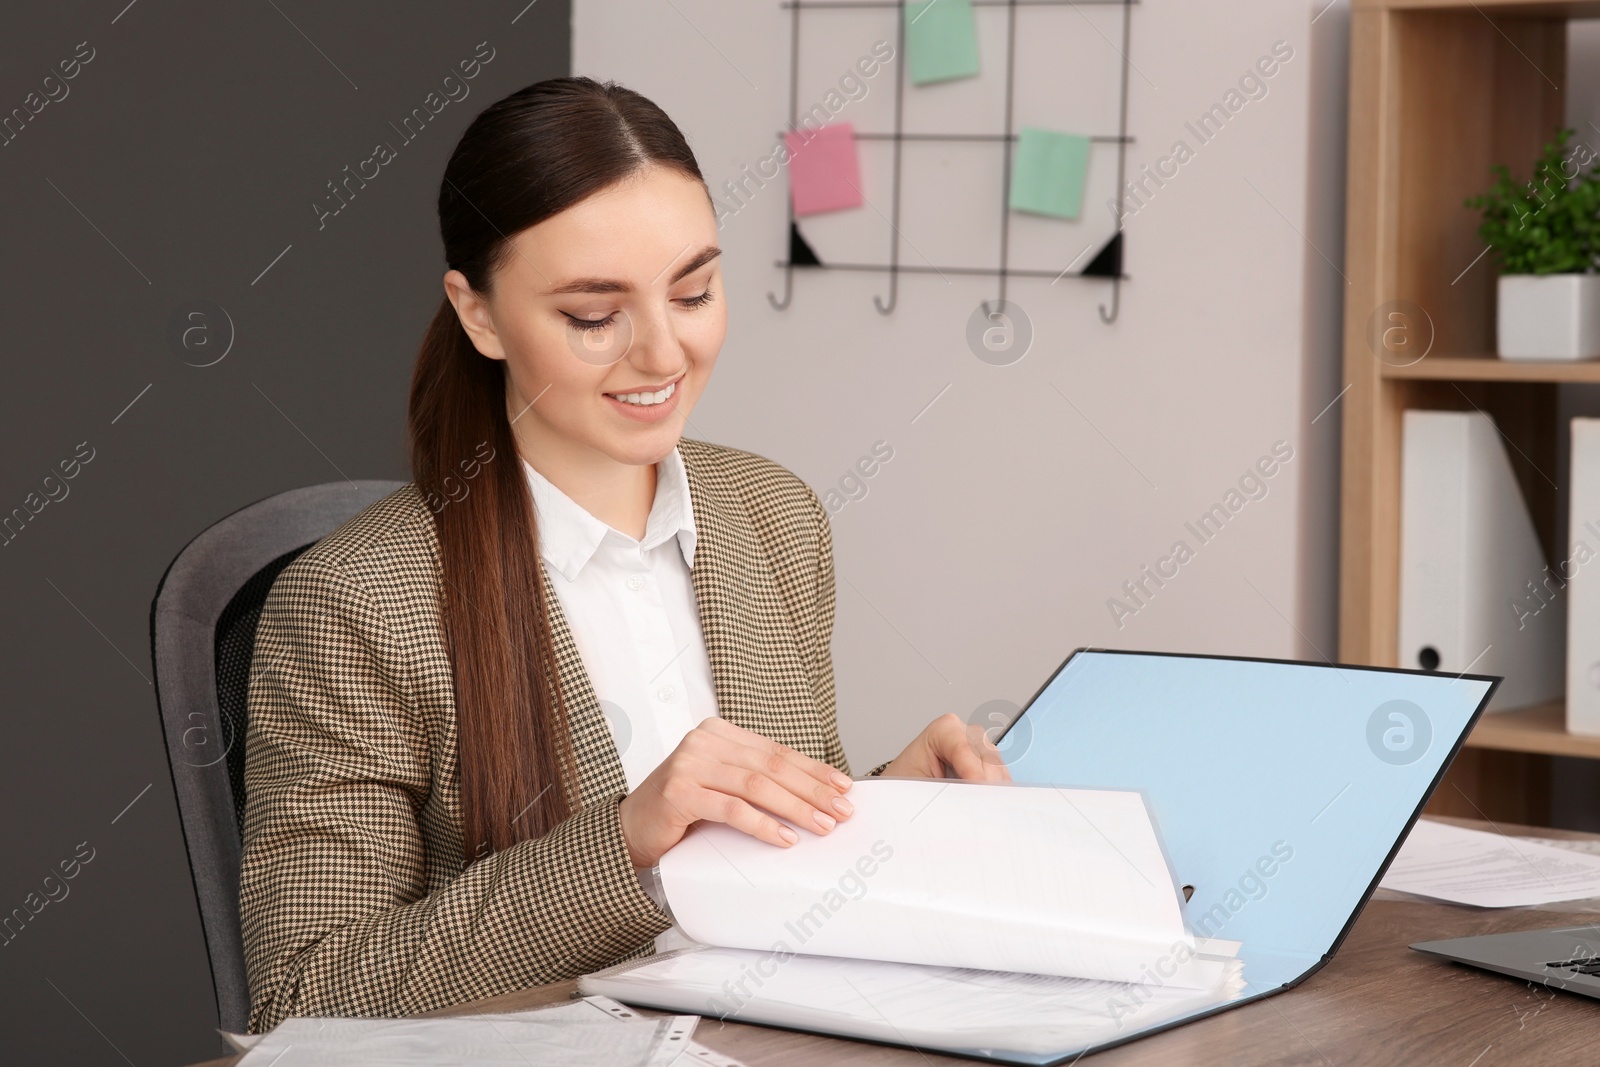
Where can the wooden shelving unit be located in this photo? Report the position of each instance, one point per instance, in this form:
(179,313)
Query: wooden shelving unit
(1492,369)
(1440,91)
(1541,729)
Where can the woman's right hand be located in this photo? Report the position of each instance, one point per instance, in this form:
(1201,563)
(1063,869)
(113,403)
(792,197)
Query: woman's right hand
(723,773)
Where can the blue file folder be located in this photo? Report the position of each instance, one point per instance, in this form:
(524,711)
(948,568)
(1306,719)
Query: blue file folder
(1281,789)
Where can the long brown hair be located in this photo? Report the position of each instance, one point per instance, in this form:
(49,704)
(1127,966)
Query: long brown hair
(525,158)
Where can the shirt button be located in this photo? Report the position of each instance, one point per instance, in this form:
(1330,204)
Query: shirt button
(666,693)
(636,582)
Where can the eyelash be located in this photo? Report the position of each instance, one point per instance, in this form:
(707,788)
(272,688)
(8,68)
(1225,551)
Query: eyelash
(584,325)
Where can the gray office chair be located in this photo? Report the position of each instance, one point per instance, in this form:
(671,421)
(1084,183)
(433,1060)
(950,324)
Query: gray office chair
(202,633)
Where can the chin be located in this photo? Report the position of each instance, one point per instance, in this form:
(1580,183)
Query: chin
(643,449)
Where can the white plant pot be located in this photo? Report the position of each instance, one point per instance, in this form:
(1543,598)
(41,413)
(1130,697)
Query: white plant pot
(1549,316)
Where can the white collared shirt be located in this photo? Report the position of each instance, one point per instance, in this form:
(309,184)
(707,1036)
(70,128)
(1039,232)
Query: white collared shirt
(631,608)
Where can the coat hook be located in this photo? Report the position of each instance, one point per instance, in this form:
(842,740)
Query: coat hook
(788,291)
(1116,290)
(894,293)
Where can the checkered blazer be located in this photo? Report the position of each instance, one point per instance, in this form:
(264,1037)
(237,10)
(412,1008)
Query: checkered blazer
(353,896)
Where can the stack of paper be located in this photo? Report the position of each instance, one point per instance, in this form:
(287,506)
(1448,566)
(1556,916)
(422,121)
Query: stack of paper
(1490,870)
(587,1032)
(942,914)
(949,1008)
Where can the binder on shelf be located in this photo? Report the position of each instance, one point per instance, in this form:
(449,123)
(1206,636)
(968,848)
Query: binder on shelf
(1582,579)
(1476,593)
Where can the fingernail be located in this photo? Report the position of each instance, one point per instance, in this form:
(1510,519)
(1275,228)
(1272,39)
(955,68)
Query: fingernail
(839,780)
(827,822)
(843,806)
(788,835)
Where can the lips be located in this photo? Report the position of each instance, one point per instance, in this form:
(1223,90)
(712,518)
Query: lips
(647,399)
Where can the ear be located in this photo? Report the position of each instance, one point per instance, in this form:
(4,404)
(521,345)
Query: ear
(472,310)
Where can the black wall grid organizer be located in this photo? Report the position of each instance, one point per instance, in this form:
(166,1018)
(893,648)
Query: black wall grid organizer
(1106,265)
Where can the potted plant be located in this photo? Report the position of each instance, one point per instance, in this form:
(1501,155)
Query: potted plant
(1546,234)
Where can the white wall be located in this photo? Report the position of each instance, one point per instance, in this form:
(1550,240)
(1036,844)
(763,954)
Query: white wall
(1019,503)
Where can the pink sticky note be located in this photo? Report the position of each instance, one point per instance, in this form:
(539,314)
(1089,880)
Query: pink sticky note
(823,172)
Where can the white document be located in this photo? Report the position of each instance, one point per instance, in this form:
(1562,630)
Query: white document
(928,1007)
(1489,870)
(1587,846)
(990,876)
(573,1035)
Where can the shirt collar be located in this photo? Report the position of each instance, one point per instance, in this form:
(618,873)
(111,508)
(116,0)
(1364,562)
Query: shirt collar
(569,536)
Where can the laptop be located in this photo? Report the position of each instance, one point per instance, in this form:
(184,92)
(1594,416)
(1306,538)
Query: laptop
(1566,957)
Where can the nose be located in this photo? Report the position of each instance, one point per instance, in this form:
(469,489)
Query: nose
(656,351)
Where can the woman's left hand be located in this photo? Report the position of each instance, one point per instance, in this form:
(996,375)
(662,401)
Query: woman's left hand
(950,745)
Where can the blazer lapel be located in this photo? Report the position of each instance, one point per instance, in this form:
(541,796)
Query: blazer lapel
(756,663)
(600,773)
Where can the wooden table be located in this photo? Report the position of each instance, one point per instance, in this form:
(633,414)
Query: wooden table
(1376,1002)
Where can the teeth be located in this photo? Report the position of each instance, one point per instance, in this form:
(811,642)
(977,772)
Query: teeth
(648,399)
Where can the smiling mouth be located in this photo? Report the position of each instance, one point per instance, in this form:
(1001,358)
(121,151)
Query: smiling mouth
(645,400)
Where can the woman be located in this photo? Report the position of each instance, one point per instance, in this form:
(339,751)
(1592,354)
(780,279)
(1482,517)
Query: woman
(484,708)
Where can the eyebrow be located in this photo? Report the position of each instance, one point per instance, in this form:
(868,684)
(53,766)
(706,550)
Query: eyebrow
(612,285)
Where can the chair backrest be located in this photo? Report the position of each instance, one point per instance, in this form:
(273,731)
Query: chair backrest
(202,634)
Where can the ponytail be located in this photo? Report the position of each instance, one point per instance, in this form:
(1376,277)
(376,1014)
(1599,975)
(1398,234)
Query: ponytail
(525,158)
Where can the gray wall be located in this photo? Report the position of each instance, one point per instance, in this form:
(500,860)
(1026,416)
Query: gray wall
(178,166)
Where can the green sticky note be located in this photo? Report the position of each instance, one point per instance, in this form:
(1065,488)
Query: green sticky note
(941,41)
(1047,175)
